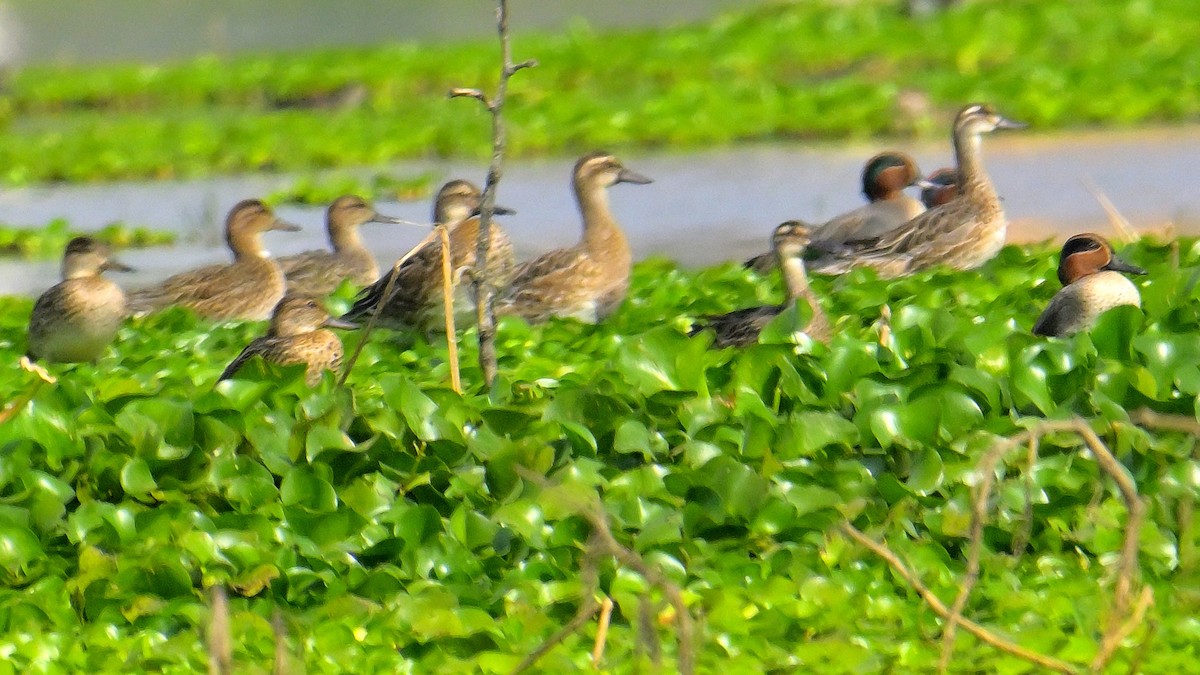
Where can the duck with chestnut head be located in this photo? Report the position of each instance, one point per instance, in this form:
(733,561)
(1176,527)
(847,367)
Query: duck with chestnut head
(1093,280)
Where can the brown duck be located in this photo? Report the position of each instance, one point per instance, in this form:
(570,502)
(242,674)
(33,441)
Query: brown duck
(318,273)
(297,335)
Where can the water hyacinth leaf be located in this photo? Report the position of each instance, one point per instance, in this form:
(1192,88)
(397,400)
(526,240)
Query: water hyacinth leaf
(419,411)
(136,477)
(1114,332)
(19,547)
(321,438)
(741,489)
(300,487)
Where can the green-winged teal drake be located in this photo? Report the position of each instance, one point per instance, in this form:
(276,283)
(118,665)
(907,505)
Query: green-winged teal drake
(939,187)
(248,288)
(589,280)
(963,233)
(741,327)
(77,318)
(417,291)
(318,273)
(298,334)
(884,178)
(1092,283)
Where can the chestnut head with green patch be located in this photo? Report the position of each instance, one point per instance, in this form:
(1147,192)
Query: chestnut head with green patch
(1087,254)
(887,173)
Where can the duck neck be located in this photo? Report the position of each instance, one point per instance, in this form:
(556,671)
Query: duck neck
(345,239)
(796,278)
(247,245)
(973,179)
(600,229)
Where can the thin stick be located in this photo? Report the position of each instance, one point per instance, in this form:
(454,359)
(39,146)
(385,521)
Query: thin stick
(220,649)
(1114,638)
(448,308)
(936,604)
(485,313)
(606,608)
(383,298)
(1119,224)
(1148,418)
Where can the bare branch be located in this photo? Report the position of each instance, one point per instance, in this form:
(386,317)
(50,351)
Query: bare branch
(465,92)
(936,604)
(1114,638)
(588,577)
(448,309)
(279,629)
(1154,420)
(527,63)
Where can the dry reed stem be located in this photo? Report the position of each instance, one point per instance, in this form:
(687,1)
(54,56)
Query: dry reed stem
(1155,420)
(220,648)
(606,608)
(1120,225)
(383,298)
(448,309)
(279,630)
(936,604)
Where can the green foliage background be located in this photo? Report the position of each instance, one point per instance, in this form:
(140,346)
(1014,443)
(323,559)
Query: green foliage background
(812,69)
(393,526)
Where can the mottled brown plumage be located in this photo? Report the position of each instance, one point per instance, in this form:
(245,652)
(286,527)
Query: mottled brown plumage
(248,288)
(318,273)
(963,233)
(589,280)
(77,318)
(297,335)
(742,327)
(416,294)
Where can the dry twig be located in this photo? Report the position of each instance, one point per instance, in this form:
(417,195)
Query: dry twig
(1120,225)
(936,604)
(588,575)
(279,630)
(448,309)
(606,608)
(484,296)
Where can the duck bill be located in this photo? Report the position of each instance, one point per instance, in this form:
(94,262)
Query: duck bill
(627,176)
(926,184)
(380,218)
(1005,123)
(1118,265)
(497,210)
(117,266)
(284,226)
(333,322)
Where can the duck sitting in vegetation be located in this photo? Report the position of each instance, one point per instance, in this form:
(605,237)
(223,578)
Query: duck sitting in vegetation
(587,281)
(318,273)
(964,233)
(741,327)
(77,318)
(1092,283)
(884,178)
(248,288)
(417,291)
(297,335)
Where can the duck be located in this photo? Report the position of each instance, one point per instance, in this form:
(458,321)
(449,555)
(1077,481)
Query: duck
(589,280)
(939,187)
(76,319)
(417,291)
(1092,279)
(742,327)
(884,178)
(318,273)
(297,334)
(246,289)
(963,234)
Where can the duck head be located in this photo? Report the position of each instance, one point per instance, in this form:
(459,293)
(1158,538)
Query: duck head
(981,118)
(939,187)
(86,257)
(351,211)
(600,169)
(887,173)
(791,238)
(246,222)
(1086,254)
(299,314)
(459,200)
